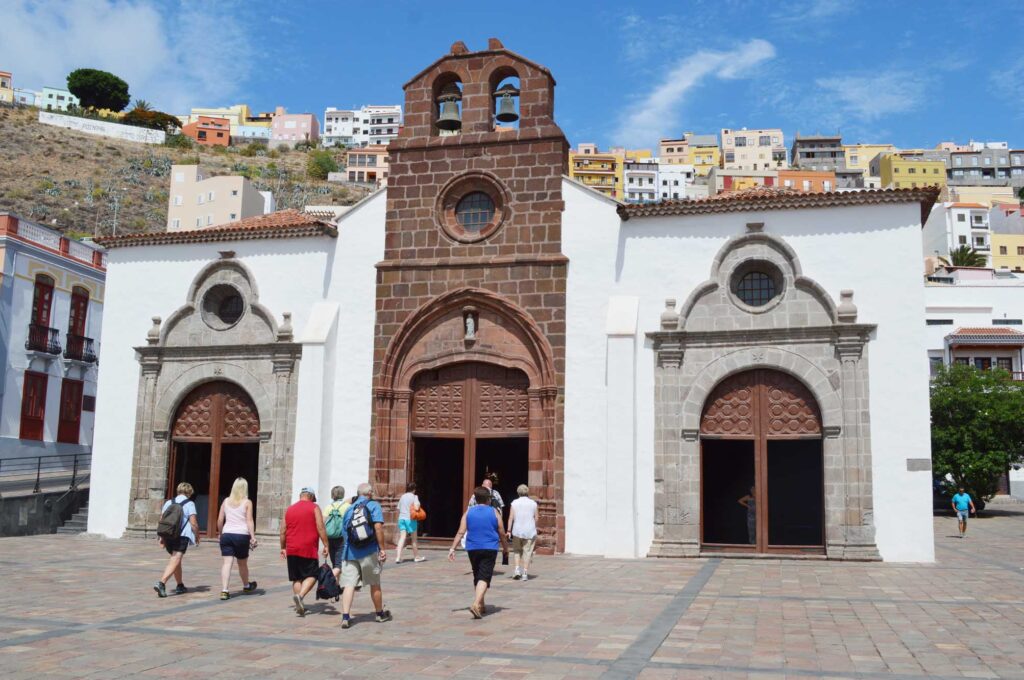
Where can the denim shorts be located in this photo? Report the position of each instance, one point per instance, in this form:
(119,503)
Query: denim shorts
(235,545)
(962,515)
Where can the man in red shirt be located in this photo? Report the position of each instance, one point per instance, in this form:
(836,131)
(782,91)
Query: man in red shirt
(302,528)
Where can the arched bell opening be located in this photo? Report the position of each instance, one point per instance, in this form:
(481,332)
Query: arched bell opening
(214,440)
(762,466)
(447,105)
(505,91)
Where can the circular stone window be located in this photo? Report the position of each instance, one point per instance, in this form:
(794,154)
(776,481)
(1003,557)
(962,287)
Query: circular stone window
(222,307)
(474,212)
(757,285)
(472,207)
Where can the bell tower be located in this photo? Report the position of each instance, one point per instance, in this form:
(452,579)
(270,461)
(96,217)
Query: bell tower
(471,290)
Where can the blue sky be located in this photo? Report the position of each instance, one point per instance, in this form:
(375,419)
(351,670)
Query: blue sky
(908,72)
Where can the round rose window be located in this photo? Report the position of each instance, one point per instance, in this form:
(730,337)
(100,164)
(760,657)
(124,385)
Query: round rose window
(474,211)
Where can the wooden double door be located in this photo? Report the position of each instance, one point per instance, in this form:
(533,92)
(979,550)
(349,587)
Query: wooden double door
(762,471)
(467,420)
(214,440)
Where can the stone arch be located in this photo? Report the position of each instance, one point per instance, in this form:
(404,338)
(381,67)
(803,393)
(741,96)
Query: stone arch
(776,358)
(172,394)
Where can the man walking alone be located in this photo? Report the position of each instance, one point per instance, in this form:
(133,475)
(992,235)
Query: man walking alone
(363,556)
(964,506)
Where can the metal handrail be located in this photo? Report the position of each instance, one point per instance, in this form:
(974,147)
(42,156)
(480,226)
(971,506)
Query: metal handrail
(42,339)
(79,348)
(79,464)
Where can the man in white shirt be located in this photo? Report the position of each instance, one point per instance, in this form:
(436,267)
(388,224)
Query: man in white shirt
(522,529)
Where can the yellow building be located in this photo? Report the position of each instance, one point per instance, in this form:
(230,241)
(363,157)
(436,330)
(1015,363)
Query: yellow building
(859,156)
(1007,251)
(897,172)
(6,88)
(703,153)
(602,170)
(987,196)
(239,114)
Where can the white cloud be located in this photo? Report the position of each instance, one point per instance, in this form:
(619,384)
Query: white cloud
(174,56)
(1009,81)
(659,112)
(813,10)
(873,96)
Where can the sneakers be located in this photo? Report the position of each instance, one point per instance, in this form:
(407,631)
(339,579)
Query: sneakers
(225,595)
(517,575)
(525,577)
(346,623)
(250,587)
(420,559)
(385,617)
(160,588)
(300,608)
(180,590)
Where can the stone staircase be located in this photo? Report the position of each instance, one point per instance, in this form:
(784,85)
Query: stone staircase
(78,522)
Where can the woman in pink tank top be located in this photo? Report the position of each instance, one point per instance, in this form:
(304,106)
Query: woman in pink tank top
(237,536)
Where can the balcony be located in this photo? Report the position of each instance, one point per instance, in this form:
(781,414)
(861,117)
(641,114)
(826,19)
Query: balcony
(80,348)
(42,339)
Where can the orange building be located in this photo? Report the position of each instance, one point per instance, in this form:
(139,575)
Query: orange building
(815,181)
(209,131)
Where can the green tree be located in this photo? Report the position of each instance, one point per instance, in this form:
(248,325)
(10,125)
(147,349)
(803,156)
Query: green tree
(977,426)
(1020,194)
(319,163)
(98,89)
(965,256)
(157,120)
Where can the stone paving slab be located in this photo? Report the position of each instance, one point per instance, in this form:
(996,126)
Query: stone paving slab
(79,606)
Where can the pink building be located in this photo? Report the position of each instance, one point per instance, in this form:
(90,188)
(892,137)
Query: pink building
(289,128)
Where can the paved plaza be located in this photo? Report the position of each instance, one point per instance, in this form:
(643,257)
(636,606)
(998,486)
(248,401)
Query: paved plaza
(80,606)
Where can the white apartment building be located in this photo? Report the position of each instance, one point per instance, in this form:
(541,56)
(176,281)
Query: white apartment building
(361,127)
(197,202)
(952,225)
(646,180)
(761,149)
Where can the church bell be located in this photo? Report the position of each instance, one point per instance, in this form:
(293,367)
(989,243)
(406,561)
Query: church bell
(449,117)
(506,107)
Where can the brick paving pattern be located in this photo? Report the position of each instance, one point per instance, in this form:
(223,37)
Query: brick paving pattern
(83,607)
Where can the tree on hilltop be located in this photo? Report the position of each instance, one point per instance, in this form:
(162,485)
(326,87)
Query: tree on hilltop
(98,89)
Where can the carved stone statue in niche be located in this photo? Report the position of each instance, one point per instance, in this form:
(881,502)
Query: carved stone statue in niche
(469,320)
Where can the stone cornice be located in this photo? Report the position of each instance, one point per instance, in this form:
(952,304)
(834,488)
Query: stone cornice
(835,334)
(277,350)
(465,262)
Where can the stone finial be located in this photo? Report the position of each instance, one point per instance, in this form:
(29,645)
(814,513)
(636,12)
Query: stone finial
(459,47)
(847,311)
(670,317)
(284,331)
(494,44)
(153,336)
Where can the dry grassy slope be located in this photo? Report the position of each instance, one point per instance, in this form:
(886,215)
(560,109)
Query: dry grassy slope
(69,180)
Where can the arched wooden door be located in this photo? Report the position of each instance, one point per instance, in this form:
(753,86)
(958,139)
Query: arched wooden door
(467,419)
(762,470)
(215,438)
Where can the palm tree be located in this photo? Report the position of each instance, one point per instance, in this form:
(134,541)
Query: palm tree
(142,105)
(965,256)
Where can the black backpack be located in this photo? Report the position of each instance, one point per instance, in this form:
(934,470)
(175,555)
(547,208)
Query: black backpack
(326,585)
(359,531)
(171,522)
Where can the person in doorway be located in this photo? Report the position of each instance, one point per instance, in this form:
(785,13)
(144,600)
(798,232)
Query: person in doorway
(522,529)
(484,532)
(237,536)
(338,506)
(407,526)
(302,530)
(964,506)
(489,482)
(363,563)
(176,548)
(750,503)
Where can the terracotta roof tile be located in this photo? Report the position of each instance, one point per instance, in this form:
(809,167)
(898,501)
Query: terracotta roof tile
(988,335)
(987,330)
(781,198)
(280,224)
(967,205)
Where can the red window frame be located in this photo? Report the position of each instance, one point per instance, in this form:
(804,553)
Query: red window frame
(33,405)
(42,300)
(70,423)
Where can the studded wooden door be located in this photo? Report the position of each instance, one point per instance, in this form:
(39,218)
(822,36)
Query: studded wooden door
(765,406)
(470,401)
(215,413)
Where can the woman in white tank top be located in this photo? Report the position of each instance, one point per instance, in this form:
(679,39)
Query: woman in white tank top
(237,536)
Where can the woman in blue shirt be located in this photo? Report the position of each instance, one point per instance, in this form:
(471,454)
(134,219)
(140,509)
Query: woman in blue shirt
(484,532)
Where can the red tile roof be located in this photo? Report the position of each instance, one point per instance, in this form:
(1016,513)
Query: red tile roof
(280,224)
(989,335)
(967,205)
(781,198)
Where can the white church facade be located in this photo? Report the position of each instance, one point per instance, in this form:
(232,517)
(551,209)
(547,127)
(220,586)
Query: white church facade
(643,368)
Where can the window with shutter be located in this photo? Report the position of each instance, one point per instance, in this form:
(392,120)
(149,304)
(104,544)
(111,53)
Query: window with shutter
(70,421)
(33,405)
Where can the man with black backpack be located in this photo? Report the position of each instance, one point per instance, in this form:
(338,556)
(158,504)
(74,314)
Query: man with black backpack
(176,530)
(363,555)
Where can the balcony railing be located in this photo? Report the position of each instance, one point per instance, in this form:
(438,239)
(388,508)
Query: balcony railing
(42,339)
(79,348)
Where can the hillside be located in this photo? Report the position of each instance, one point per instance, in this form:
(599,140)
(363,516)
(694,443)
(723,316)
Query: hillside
(72,181)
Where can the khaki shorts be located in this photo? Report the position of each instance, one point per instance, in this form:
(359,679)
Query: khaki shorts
(524,546)
(365,569)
